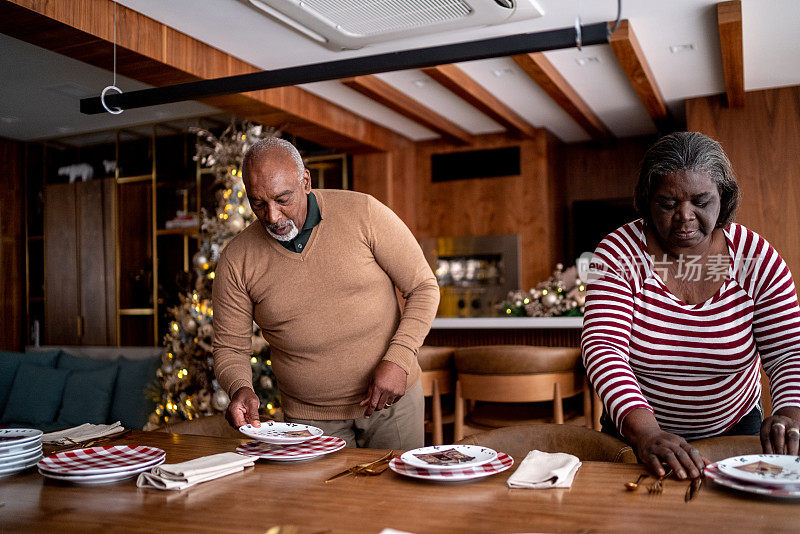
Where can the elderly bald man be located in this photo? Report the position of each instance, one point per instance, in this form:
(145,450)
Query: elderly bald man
(318,275)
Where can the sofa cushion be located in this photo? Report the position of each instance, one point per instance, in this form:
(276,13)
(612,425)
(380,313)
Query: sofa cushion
(131,406)
(78,363)
(36,394)
(10,361)
(87,396)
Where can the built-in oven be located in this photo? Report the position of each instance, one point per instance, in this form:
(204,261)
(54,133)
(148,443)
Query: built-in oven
(474,273)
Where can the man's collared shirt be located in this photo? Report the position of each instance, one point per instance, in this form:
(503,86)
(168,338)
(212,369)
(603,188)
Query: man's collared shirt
(313,217)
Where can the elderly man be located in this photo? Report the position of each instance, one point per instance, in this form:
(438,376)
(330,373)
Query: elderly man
(318,275)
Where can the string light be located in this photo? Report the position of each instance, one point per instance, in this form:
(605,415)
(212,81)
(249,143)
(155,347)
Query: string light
(211,275)
(254,360)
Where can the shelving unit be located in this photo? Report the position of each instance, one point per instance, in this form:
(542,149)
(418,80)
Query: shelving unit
(155,178)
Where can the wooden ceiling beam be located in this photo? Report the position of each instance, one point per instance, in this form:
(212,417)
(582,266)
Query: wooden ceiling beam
(156,54)
(462,85)
(633,62)
(383,93)
(541,71)
(729,21)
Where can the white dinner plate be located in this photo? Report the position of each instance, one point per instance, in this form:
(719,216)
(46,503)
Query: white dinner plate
(11,437)
(281,433)
(295,452)
(502,462)
(785,492)
(22,447)
(23,459)
(765,469)
(24,453)
(448,457)
(10,470)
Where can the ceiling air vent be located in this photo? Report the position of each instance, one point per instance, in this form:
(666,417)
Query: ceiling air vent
(352,24)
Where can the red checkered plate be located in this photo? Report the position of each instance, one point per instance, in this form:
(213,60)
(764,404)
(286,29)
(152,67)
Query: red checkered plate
(100,460)
(500,464)
(289,453)
(105,478)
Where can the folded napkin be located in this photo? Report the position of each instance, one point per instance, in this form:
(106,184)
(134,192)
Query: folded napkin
(185,474)
(84,432)
(545,470)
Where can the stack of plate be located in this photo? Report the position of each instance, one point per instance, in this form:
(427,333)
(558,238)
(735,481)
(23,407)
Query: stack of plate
(20,449)
(775,475)
(288,442)
(101,465)
(451,463)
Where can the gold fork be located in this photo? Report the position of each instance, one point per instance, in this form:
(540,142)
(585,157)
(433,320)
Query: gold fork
(360,467)
(657,488)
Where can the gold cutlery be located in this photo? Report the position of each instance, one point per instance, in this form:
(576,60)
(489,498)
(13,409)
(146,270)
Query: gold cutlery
(693,489)
(83,444)
(657,488)
(633,486)
(361,467)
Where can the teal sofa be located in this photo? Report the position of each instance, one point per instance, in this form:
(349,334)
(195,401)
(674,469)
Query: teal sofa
(52,388)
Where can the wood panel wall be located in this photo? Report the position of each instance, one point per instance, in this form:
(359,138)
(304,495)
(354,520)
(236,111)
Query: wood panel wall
(762,140)
(12,246)
(390,178)
(527,204)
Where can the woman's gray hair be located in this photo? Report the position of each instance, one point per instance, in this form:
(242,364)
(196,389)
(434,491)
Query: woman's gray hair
(263,146)
(690,151)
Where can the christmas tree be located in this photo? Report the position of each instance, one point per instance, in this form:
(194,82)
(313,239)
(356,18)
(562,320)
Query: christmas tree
(186,388)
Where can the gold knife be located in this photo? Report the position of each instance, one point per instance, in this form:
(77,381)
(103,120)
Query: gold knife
(693,489)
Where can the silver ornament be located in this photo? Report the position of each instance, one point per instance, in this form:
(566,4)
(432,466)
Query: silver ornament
(257,344)
(189,324)
(199,260)
(550,299)
(236,223)
(265,382)
(220,400)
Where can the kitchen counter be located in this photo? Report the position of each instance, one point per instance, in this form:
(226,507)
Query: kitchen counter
(506,322)
(472,331)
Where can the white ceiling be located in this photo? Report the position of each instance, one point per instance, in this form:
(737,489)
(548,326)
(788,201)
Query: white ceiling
(770,36)
(40,91)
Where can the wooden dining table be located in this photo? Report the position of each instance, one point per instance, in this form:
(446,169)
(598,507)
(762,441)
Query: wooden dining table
(293,498)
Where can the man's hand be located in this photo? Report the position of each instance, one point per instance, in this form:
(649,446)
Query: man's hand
(243,408)
(656,447)
(780,433)
(388,384)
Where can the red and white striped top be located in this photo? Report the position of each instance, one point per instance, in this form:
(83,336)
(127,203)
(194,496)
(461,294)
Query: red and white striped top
(696,367)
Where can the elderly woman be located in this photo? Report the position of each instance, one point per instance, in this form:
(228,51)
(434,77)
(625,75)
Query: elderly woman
(683,308)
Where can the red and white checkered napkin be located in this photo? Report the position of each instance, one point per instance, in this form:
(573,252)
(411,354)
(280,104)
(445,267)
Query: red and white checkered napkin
(498,465)
(96,460)
(299,451)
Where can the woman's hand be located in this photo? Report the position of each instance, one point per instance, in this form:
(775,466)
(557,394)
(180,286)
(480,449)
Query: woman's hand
(780,433)
(656,447)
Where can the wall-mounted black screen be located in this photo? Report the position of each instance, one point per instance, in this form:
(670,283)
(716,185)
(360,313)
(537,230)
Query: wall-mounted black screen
(475,164)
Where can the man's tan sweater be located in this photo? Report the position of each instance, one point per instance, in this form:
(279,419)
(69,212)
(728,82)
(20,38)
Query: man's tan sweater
(330,313)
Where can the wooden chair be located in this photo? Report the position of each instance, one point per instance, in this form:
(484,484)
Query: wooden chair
(585,443)
(438,378)
(516,374)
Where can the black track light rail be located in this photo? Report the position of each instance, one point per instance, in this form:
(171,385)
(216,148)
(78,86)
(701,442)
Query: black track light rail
(590,34)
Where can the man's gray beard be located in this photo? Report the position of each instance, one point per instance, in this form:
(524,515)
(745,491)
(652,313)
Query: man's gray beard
(285,237)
